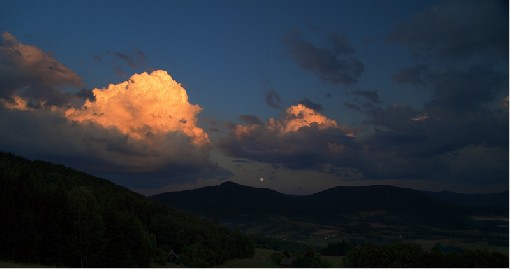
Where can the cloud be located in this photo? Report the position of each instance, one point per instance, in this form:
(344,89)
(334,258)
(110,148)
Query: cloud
(308,103)
(340,44)
(30,73)
(333,65)
(143,106)
(474,162)
(455,30)
(435,147)
(273,99)
(461,133)
(134,60)
(302,139)
(400,144)
(140,133)
(465,91)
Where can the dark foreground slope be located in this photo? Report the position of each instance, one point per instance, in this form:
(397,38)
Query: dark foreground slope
(55,215)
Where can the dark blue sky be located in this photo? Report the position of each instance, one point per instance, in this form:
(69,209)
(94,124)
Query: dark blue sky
(416,88)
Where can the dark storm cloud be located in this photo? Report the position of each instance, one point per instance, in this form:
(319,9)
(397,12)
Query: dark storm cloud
(461,133)
(464,91)
(28,72)
(434,144)
(250,119)
(371,96)
(330,64)
(308,103)
(273,99)
(435,140)
(308,148)
(457,29)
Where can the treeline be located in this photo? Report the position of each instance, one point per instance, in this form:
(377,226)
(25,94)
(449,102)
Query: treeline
(412,255)
(54,215)
(307,258)
(397,255)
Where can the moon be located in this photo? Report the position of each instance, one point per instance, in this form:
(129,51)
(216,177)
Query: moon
(261,179)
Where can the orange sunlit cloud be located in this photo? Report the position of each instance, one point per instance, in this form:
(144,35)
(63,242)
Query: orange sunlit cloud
(296,117)
(144,105)
(34,64)
(18,103)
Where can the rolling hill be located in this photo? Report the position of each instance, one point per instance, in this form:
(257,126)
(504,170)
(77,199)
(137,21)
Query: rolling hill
(54,215)
(233,202)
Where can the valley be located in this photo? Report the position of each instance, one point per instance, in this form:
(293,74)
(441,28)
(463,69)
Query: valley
(380,214)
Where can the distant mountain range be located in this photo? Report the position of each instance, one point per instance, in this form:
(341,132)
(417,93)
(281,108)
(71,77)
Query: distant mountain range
(231,202)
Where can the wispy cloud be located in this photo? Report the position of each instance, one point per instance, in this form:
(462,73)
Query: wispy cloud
(273,99)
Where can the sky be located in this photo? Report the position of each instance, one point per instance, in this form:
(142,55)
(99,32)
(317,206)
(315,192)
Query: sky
(296,96)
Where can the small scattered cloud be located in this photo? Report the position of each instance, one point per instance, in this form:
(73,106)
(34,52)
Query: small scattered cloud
(273,99)
(334,65)
(134,59)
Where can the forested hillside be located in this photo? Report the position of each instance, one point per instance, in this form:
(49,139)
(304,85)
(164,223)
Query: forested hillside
(55,215)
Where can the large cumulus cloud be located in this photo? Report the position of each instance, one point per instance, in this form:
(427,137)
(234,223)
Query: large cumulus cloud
(142,132)
(146,105)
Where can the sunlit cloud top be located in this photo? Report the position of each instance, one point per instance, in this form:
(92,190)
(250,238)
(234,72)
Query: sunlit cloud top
(144,105)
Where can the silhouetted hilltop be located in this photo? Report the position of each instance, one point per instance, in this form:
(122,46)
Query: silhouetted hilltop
(231,200)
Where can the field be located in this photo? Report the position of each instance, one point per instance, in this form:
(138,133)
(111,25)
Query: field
(261,259)
(377,227)
(8,264)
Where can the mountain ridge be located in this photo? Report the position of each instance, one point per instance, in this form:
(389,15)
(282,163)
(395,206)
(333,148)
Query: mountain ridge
(229,200)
